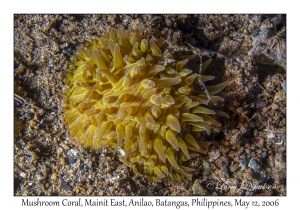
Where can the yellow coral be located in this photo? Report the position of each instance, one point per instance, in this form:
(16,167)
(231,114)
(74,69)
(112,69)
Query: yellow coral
(143,97)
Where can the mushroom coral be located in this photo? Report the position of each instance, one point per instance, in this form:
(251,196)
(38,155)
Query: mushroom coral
(145,97)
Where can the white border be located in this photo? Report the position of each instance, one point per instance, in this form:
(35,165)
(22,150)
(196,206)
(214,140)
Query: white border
(8,201)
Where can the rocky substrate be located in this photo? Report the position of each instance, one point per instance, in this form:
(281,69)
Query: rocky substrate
(247,156)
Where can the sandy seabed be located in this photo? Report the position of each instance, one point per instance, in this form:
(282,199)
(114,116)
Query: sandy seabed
(246,157)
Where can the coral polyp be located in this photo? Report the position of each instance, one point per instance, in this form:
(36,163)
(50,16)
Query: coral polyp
(143,96)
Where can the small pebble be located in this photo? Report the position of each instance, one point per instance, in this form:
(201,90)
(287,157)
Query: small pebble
(255,32)
(168,22)
(90,191)
(214,154)
(36,117)
(234,167)
(206,168)
(63,161)
(245,160)
(225,142)
(23,175)
(73,153)
(129,187)
(54,176)
(71,162)
(39,177)
(264,155)
(274,106)
(254,164)
(280,165)
(83,190)
(64,146)
(259,141)
(277,97)
(59,151)
(101,193)
(247,176)
(65,186)
(197,188)
(32,123)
